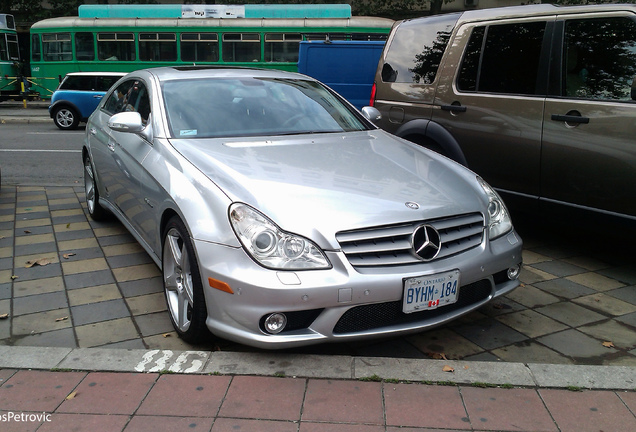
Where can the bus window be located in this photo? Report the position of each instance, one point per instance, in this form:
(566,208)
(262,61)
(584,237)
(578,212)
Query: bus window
(14,51)
(10,21)
(368,37)
(157,47)
(241,47)
(36,54)
(327,36)
(200,47)
(3,49)
(116,46)
(84,46)
(282,47)
(57,47)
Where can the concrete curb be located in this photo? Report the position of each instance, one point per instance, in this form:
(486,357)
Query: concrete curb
(317,366)
(24,120)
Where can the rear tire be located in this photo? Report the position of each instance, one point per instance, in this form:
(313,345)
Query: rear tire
(95,210)
(66,118)
(182,284)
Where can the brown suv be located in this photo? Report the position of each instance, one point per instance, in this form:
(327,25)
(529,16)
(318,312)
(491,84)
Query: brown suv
(539,100)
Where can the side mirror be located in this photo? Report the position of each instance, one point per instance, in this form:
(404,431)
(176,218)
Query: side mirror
(372,114)
(126,122)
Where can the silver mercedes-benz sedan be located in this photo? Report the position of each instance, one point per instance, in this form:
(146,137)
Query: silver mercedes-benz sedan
(280,216)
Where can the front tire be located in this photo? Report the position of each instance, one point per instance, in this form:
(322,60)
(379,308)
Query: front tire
(182,284)
(66,118)
(95,210)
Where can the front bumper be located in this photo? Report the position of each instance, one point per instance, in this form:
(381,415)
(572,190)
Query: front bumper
(342,303)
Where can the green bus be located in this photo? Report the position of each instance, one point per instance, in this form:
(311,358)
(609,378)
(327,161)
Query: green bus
(10,84)
(76,44)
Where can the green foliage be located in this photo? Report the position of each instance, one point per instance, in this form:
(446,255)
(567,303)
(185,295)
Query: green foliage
(372,378)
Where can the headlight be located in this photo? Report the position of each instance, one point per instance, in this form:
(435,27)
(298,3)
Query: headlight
(498,221)
(272,247)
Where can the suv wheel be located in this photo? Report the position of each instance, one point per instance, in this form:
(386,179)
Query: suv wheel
(65,118)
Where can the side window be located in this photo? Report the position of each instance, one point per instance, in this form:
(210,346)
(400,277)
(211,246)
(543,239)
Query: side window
(130,95)
(241,47)
(200,47)
(417,49)
(116,46)
(599,60)
(105,82)
(502,58)
(3,48)
(84,83)
(157,47)
(57,46)
(84,46)
(14,50)
(36,53)
(282,47)
(118,100)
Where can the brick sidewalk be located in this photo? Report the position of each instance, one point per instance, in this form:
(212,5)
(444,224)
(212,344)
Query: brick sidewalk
(106,401)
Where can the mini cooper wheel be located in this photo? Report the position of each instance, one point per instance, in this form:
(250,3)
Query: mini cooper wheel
(96,211)
(66,118)
(182,284)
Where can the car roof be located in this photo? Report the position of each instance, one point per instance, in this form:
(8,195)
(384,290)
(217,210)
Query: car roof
(526,11)
(193,72)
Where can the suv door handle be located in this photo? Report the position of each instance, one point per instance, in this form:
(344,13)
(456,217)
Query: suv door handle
(579,119)
(453,108)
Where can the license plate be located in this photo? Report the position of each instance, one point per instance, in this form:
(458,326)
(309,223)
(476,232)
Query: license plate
(430,292)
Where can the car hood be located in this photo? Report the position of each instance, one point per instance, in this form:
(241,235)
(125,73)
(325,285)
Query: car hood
(318,185)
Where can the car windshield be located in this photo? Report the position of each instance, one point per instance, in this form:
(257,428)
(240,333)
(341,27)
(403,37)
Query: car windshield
(236,107)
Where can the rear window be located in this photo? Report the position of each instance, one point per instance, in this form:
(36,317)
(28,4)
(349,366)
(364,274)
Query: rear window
(417,49)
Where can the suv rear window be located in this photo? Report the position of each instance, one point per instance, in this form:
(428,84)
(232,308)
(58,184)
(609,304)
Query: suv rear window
(417,49)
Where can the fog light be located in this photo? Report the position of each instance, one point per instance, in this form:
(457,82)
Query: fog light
(275,323)
(513,272)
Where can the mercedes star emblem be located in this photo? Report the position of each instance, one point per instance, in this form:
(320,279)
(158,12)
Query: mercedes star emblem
(426,242)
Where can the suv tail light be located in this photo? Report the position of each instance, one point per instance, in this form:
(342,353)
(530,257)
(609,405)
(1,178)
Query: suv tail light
(373,89)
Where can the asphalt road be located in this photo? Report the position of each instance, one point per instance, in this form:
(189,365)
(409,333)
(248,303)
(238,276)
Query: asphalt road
(39,154)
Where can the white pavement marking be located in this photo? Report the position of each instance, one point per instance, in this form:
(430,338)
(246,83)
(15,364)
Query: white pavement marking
(39,151)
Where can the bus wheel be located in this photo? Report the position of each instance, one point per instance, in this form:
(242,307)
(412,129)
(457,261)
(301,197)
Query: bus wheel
(66,118)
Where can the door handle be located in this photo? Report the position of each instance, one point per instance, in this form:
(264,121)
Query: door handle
(578,119)
(111,145)
(453,108)
(98,96)
(93,131)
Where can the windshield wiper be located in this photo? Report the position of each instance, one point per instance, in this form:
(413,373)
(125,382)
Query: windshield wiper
(309,132)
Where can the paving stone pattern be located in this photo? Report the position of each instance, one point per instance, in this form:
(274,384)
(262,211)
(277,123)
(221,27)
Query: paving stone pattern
(67,281)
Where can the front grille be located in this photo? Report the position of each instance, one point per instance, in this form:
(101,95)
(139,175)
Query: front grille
(391,245)
(374,316)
